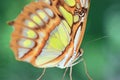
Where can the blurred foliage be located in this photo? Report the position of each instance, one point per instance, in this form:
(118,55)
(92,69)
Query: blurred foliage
(101,45)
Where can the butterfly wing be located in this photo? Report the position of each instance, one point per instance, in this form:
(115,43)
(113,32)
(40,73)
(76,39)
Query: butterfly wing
(39,34)
(46,35)
(46,1)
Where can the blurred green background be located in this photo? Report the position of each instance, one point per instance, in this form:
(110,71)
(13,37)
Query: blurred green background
(101,45)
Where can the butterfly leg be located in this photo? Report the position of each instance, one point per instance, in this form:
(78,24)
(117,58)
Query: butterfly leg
(65,73)
(70,74)
(86,70)
(42,74)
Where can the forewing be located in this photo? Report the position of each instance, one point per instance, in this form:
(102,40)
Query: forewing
(39,34)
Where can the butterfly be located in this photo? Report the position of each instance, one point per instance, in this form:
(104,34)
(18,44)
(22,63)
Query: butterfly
(48,33)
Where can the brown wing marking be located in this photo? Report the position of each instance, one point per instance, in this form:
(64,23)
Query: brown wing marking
(40,42)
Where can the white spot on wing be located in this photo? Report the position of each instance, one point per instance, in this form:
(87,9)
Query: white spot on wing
(41,34)
(82,2)
(43,15)
(22,52)
(49,12)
